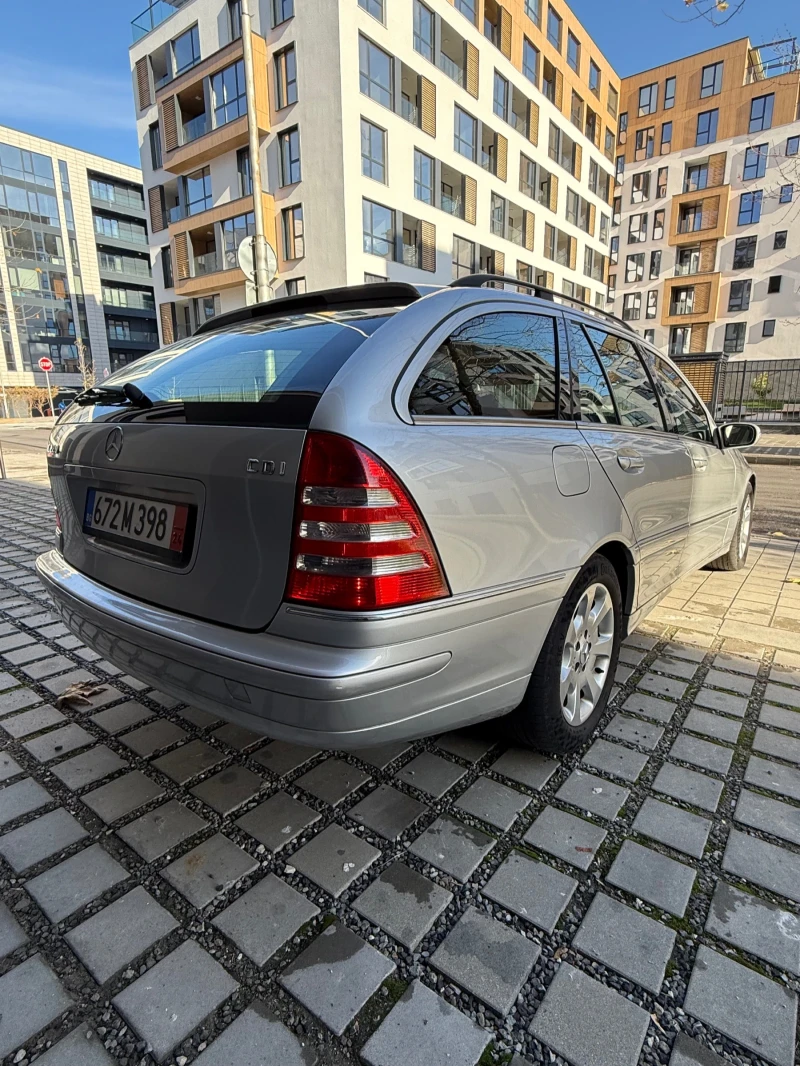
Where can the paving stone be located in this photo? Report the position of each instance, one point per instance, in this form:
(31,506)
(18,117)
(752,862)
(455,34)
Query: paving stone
(756,926)
(653,877)
(382,754)
(689,786)
(14,640)
(282,758)
(165,1004)
(424,1030)
(687,1052)
(210,869)
(332,780)
(277,821)
(634,731)
(487,958)
(712,725)
(12,935)
(621,938)
(453,847)
(778,745)
(781,694)
(764,774)
(22,798)
(81,1048)
(672,826)
(334,859)
(468,746)
(107,693)
(40,839)
(157,832)
(403,903)
(630,656)
(573,839)
(193,715)
(17,700)
(525,767)
(237,736)
(188,761)
(336,975)
(229,788)
(8,767)
(721,701)
(432,774)
(733,682)
(90,766)
(122,796)
(245,1042)
(265,917)
(614,759)
(588,1023)
(115,936)
(55,664)
(663,686)
(32,997)
(65,888)
(18,656)
(115,719)
(761,863)
(387,811)
(58,742)
(676,667)
(769,815)
(152,737)
(780,718)
(493,803)
(701,753)
(22,725)
(743,1005)
(594,794)
(531,889)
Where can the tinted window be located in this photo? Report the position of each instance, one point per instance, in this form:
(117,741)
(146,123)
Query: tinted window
(636,401)
(689,418)
(595,401)
(498,365)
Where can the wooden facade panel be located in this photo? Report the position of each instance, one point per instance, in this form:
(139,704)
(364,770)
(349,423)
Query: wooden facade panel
(702,297)
(499,262)
(428,232)
(169,124)
(699,339)
(533,122)
(167,323)
(708,256)
(504,17)
(549,279)
(573,253)
(181,257)
(502,157)
(716,169)
(528,223)
(428,110)
(155,197)
(553,205)
(143,94)
(559,94)
(592,219)
(470,200)
(578,162)
(472,78)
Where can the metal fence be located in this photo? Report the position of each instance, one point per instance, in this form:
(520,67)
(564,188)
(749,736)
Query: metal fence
(748,390)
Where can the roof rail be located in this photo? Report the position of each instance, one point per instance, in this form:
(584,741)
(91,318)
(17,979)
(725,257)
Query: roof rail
(476,281)
(346,298)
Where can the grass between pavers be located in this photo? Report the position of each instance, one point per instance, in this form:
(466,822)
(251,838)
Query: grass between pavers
(378,1006)
(492,1057)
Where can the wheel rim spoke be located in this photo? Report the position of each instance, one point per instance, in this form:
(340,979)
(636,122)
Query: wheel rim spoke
(586,655)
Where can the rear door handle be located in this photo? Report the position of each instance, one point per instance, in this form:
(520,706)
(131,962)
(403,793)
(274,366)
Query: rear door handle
(699,462)
(630,462)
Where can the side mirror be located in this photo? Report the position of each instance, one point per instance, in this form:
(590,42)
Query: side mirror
(739,434)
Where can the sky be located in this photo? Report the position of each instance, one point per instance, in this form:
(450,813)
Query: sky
(64,70)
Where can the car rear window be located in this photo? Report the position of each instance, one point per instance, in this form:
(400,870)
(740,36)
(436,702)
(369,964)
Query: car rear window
(258,373)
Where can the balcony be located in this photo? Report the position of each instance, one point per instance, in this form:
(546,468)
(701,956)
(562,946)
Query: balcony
(453,205)
(452,69)
(194,128)
(409,111)
(771,60)
(699,216)
(452,55)
(687,305)
(153,15)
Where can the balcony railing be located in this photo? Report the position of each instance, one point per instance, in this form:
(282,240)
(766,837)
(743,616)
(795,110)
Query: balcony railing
(207,264)
(451,69)
(690,225)
(177,213)
(410,255)
(452,205)
(137,336)
(515,234)
(408,111)
(195,128)
(487,161)
(520,123)
(684,307)
(684,269)
(783,65)
(153,15)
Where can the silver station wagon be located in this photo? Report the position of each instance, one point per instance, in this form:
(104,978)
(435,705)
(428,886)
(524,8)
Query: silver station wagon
(384,511)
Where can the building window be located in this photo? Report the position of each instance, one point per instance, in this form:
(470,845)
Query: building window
(645,143)
(234,231)
(465,134)
(739,296)
(533,9)
(166,266)
(619,169)
(468,8)
(197,191)
(658,225)
(423,30)
(281,11)
(594,264)
(652,304)
(640,187)
(706,127)
(605,223)
(680,340)
(744,253)
(576,111)
(648,99)
(235,19)
(792,145)
(294,245)
(711,80)
(155,146)
(787,192)
(661,182)
(243,170)
(557,245)
(185,51)
(285,77)
(779,243)
(631,306)
(761,113)
(228,93)
(734,337)
(637,228)
(650,336)
(669,93)
(768,328)
(611,289)
(378,227)
(666,137)
(594,77)
(373,279)
(655,264)
(696,177)
(374,8)
(755,162)
(500,95)
(463,257)
(613,251)
(527,176)
(750,208)
(296,286)
(573,52)
(423,177)
(612,101)
(774,283)
(373,151)
(530,61)
(375,72)
(561,148)
(497,219)
(616,211)
(608,147)
(622,132)
(289,146)
(634,268)
(554,28)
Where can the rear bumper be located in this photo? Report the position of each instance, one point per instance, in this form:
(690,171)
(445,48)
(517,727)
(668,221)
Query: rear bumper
(472,661)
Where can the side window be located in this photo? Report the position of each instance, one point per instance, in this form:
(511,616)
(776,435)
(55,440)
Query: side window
(688,416)
(594,394)
(636,401)
(501,365)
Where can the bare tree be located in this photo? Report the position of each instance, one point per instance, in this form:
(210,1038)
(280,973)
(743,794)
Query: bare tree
(717,12)
(85,364)
(35,397)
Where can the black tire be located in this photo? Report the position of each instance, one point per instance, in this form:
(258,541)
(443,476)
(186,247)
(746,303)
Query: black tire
(734,559)
(538,722)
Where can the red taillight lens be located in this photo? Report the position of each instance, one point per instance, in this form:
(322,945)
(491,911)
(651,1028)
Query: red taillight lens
(359,541)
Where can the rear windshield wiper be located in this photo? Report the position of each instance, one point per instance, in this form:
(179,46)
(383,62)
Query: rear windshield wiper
(127,393)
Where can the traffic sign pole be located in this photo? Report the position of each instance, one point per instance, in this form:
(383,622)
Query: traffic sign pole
(49,393)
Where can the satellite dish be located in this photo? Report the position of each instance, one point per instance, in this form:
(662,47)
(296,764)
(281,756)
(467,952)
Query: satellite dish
(245,255)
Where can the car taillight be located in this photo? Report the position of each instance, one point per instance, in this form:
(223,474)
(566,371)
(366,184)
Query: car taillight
(359,541)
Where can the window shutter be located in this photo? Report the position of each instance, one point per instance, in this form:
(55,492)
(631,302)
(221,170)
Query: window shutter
(169,124)
(549,279)
(428,246)
(716,169)
(533,122)
(472,69)
(528,221)
(592,219)
(155,196)
(428,94)
(605,270)
(559,101)
(167,328)
(578,162)
(699,337)
(702,297)
(181,256)
(573,253)
(59,289)
(710,212)
(708,256)
(553,205)
(143,83)
(499,262)
(470,200)
(502,157)
(504,17)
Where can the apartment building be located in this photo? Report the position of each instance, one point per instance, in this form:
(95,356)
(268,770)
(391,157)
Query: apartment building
(399,139)
(74,263)
(705,252)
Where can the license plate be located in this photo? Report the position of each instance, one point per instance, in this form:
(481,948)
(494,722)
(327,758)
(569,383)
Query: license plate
(155,526)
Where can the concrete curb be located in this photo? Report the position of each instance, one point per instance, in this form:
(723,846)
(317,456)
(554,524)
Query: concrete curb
(774,460)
